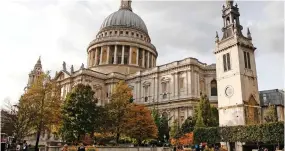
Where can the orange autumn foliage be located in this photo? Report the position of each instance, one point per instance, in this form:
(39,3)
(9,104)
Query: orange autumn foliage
(186,139)
(139,123)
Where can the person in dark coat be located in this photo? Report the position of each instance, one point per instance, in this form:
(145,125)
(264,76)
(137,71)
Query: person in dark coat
(81,147)
(25,146)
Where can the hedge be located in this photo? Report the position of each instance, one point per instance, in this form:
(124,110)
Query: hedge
(266,133)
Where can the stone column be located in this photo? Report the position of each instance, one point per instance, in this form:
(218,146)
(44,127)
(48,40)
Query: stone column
(143,58)
(130,55)
(148,60)
(123,54)
(101,56)
(96,53)
(108,54)
(138,51)
(115,55)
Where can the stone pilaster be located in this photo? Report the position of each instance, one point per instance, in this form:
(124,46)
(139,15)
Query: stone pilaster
(101,52)
(143,58)
(137,63)
(192,82)
(108,54)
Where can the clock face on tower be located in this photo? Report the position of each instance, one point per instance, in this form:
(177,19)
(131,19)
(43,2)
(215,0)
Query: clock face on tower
(229,91)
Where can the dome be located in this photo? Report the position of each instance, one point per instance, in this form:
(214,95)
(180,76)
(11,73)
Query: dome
(124,17)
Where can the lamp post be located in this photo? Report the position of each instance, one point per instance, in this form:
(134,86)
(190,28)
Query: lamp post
(41,117)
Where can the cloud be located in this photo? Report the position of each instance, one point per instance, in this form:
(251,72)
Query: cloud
(59,30)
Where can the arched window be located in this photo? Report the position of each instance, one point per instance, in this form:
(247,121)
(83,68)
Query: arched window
(213,88)
(227,21)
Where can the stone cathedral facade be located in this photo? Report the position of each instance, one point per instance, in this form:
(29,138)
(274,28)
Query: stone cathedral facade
(123,50)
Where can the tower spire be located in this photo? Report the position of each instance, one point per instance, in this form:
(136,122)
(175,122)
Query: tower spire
(38,65)
(126,4)
(248,34)
(217,37)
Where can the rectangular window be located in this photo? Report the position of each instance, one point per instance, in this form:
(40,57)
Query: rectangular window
(227,62)
(146,93)
(181,83)
(246,60)
(163,87)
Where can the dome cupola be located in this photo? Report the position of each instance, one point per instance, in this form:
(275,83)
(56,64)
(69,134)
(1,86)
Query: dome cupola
(122,44)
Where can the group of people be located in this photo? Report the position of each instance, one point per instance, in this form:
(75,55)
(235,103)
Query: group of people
(80,148)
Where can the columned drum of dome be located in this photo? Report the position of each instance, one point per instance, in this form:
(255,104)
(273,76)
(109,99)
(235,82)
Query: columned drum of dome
(122,44)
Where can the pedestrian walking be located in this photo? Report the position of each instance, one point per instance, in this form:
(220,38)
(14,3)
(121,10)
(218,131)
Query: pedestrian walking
(25,146)
(81,147)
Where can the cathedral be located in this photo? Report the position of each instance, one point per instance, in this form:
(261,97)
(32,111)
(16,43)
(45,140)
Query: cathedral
(122,50)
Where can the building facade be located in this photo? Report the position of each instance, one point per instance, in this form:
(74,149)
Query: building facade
(123,50)
(272,97)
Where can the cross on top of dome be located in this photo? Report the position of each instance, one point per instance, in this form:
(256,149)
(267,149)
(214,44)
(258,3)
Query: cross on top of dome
(126,4)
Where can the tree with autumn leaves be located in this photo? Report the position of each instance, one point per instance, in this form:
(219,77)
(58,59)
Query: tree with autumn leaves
(128,118)
(41,105)
(139,123)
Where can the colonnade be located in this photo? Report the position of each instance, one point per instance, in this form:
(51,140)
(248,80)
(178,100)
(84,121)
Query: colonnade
(121,54)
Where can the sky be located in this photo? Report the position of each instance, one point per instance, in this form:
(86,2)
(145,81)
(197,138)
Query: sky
(60,30)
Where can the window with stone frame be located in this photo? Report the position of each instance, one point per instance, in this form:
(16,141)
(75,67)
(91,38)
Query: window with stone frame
(164,90)
(214,91)
(126,54)
(227,62)
(181,83)
(146,89)
(246,56)
(119,54)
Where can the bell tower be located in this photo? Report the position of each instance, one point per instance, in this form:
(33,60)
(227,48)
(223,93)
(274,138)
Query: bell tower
(238,97)
(35,73)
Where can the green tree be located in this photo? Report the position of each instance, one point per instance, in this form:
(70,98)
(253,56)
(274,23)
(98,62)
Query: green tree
(199,121)
(270,114)
(117,108)
(205,113)
(188,125)
(174,130)
(80,114)
(162,125)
